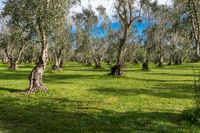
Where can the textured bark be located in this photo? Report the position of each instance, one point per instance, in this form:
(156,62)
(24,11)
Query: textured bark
(36,76)
(195,22)
(35,79)
(116,70)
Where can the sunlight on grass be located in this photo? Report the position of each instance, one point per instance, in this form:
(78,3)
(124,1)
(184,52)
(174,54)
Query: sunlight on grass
(82,99)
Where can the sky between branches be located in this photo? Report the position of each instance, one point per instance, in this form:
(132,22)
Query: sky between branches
(108,4)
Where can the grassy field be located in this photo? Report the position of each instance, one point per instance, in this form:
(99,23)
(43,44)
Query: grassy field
(84,100)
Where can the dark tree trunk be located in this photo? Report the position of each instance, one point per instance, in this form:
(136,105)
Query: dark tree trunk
(170,63)
(145,65)
(161,61)
(108,62)
(123,9)
(13,64)
(116,70)
(97,62)
(56,67)
(177,60)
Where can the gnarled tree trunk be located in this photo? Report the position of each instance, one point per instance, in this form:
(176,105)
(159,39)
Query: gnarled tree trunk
(35,79)
(125,12)
(116,70)
(14,60)
(36,76)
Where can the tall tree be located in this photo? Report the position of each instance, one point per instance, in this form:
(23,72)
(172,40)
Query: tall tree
(189,11)
(39,18)
(13,44)
(85,22)
(127,13)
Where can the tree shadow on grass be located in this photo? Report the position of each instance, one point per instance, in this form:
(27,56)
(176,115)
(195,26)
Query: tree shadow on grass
(157,80)
(167,90)
(87,70)
(172,74)
(11,90)
(62,78)
(62,115)
(15,75)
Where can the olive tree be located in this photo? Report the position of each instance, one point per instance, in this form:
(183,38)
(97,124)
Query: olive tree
(39,18)
(127,13)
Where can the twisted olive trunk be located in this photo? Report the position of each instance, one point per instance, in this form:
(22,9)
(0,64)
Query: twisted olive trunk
(36,76)
(13,61)
(116,70)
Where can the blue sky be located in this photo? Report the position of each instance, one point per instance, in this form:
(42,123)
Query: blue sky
(98,30)
(139,27)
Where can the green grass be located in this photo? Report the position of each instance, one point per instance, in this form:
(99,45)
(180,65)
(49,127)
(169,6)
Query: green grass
(84,100)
